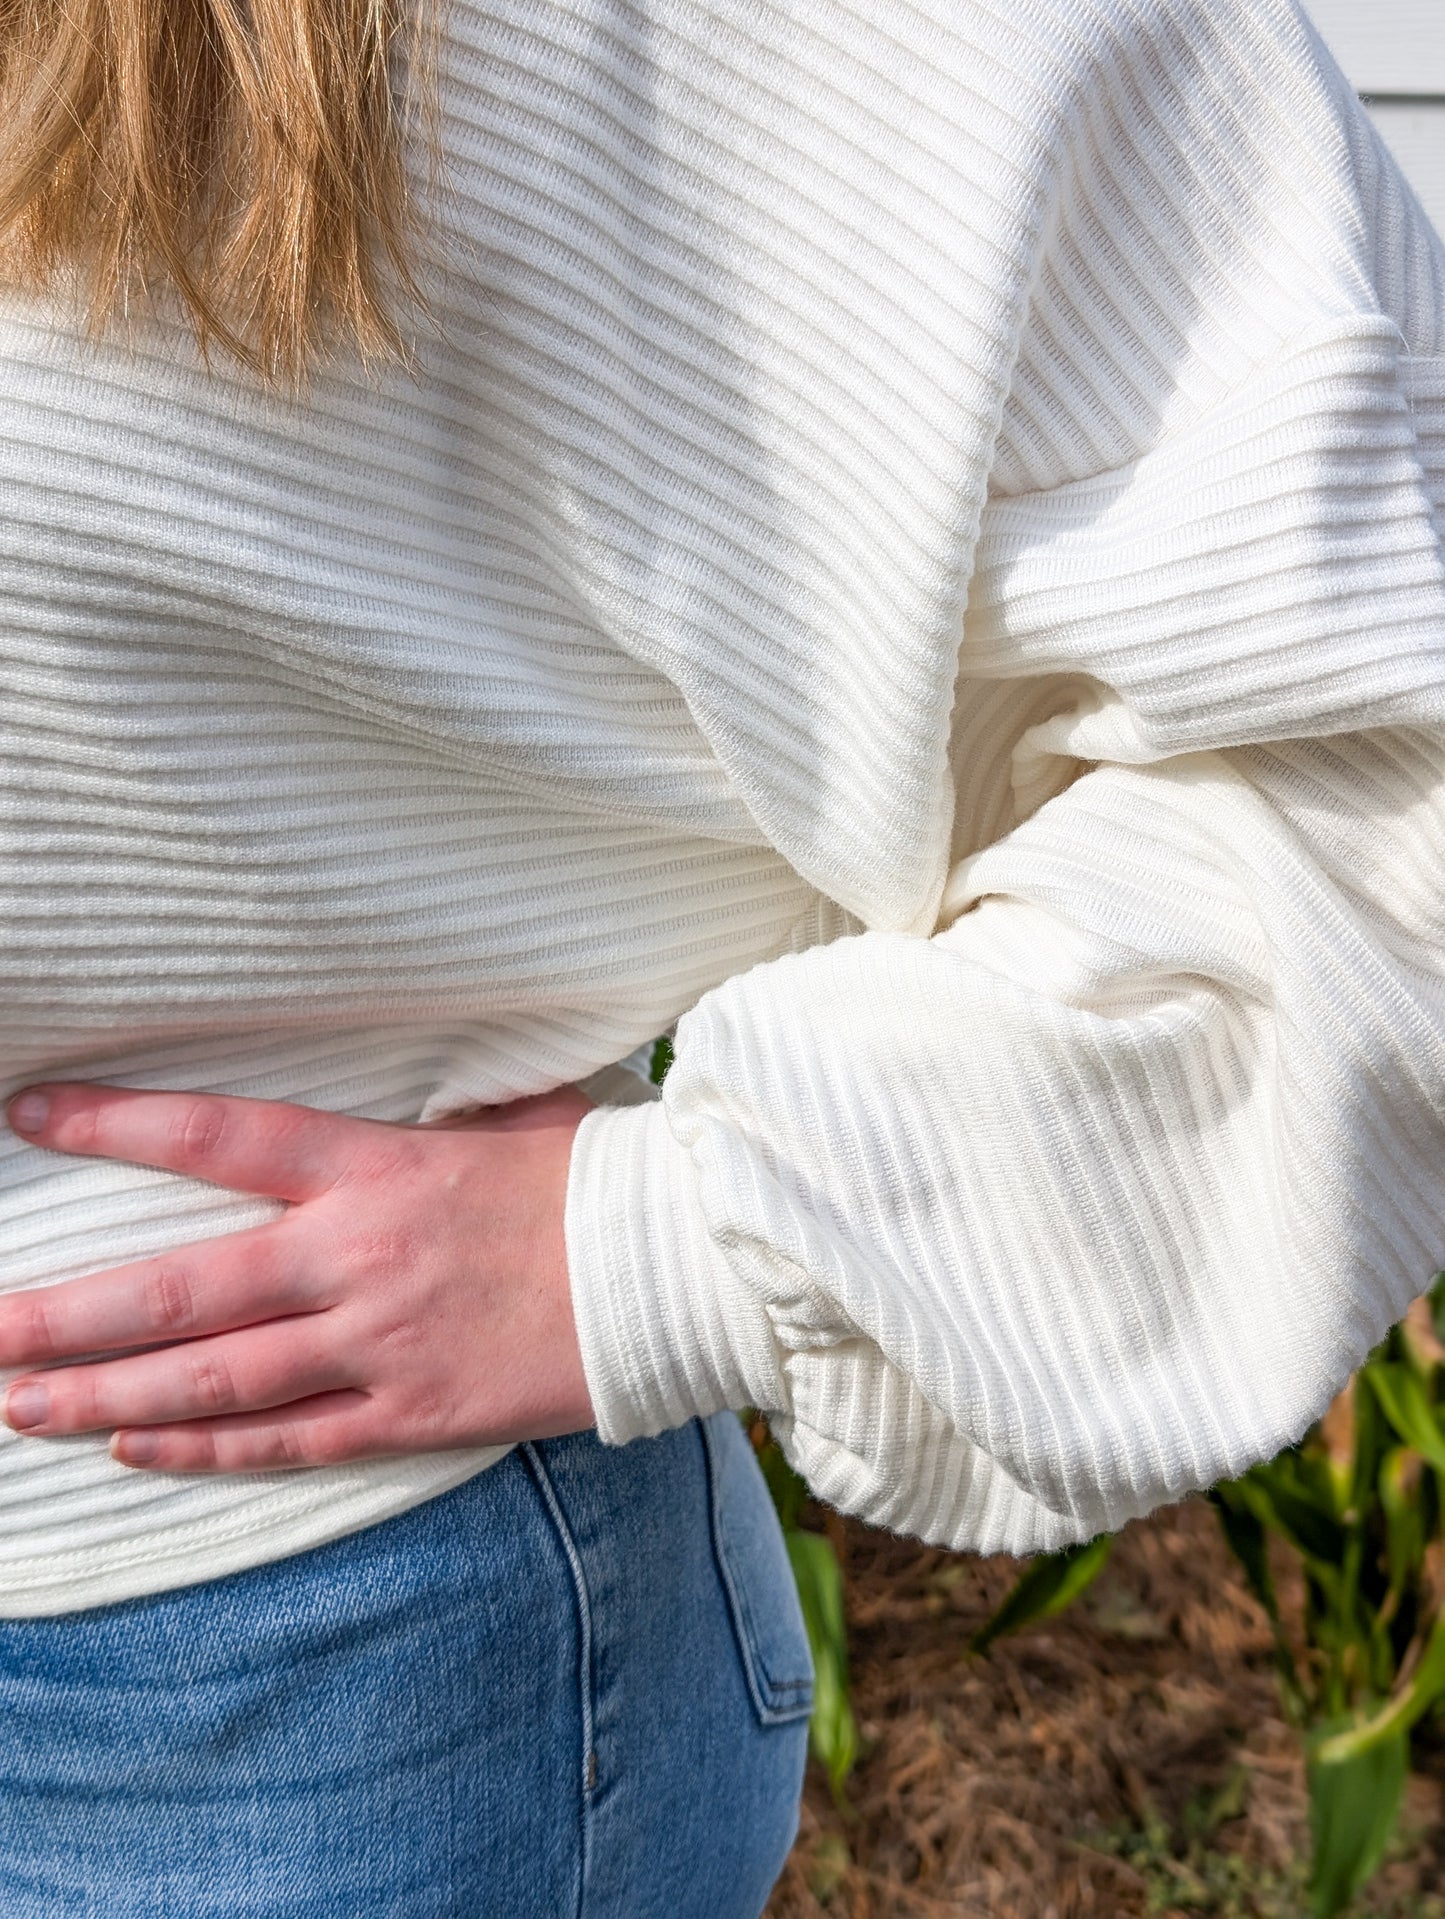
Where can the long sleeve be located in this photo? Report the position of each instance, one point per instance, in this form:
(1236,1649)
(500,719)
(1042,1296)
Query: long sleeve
(1092,1188)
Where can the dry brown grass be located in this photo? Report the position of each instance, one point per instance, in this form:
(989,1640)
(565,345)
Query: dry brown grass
(995,1787)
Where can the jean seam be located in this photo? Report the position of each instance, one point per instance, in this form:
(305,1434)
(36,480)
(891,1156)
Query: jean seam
(775,1701)
(587,1767)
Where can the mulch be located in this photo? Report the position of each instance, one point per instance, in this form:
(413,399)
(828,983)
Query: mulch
(1127,1757)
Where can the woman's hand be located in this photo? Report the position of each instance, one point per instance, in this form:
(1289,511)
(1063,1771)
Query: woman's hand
(413,1296)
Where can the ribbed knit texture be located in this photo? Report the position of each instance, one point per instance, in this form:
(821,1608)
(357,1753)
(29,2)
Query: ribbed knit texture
(913,536)
(1098,1193)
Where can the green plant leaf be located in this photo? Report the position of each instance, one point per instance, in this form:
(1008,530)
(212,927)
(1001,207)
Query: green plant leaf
(1245,1536)
(1398,1485)
(788,1489)
(1402,1394)
(1304,1515)
(1354,1804)
(1394,1719)
(1372,1439)
(832,1730)
(1050,1583)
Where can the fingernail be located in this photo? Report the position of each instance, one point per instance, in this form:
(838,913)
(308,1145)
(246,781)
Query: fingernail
(29,1111)
(26,1406)
(135,1449)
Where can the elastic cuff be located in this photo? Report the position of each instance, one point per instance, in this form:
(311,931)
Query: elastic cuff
(666,1328)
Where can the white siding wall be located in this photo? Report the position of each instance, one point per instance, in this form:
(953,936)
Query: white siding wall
(1394,52)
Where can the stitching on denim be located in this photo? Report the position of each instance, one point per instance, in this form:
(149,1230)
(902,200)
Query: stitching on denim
(585,1675)
(725,1571)
(803,1686)
(782,1697)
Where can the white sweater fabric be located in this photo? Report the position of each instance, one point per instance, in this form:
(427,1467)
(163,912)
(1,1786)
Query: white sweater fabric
(913,544)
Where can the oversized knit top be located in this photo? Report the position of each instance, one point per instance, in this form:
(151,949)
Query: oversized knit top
(911,546)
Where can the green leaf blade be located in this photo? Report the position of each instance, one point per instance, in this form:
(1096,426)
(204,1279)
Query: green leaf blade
(832,1729)
(1046,1587)
(1407,1406)
(1354,1806)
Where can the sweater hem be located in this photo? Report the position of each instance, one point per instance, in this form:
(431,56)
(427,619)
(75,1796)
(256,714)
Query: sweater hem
(79,1580)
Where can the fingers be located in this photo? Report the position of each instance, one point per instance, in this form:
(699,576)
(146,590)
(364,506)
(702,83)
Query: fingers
(322,1431)
(213,1287)
(246,1371)
(250,1145)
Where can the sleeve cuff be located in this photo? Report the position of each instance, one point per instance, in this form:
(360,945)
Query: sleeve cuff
(666,1328)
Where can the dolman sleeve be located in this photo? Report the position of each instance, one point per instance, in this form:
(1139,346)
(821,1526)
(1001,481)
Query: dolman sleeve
(1096,1192)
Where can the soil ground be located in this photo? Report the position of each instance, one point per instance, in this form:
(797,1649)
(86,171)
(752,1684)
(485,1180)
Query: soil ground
(1125,1758)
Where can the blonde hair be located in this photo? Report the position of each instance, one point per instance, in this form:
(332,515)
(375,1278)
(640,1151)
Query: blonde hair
(247,154)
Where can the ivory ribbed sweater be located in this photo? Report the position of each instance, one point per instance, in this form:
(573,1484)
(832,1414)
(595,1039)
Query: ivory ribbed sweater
(912,544)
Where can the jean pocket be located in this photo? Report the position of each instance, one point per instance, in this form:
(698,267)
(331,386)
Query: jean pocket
(756,1576)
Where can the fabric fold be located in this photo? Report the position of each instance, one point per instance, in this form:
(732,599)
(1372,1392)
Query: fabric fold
(666,1328)
(1094,1191)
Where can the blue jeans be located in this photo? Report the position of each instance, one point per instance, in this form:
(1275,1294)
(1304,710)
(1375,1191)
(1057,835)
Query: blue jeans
(576,1686)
